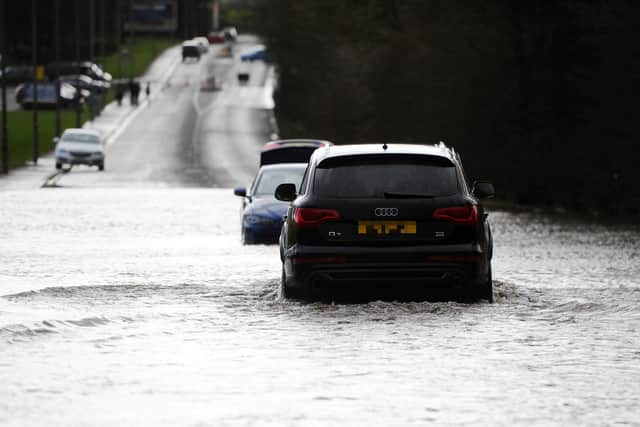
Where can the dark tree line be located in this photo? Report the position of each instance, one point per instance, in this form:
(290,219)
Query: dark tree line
(538,96)
(71,38)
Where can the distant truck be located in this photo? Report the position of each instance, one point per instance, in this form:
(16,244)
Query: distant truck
(191,49)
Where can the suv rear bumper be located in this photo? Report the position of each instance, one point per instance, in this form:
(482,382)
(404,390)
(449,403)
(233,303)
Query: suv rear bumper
(398,270)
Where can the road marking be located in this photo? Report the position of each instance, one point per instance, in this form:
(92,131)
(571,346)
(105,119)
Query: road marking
(110,139)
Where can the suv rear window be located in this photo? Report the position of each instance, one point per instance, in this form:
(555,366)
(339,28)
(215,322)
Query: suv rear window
(380,176)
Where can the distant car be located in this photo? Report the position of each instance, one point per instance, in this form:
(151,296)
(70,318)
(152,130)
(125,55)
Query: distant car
(191,49)
(216,37)
(81,81)
(87,68)
(243,77)
(393,219)
(256,55)
(262,214)
(203,43)
(290,150)
(68,96)
(17,74)
(79,147)
(230,34)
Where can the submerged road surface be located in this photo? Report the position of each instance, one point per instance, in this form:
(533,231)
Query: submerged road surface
(126,298)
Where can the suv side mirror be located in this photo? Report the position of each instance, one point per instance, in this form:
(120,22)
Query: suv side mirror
(56,140)
(286,192)
(240,191)
(483,190)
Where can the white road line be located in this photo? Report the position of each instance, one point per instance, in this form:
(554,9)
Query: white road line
(127,121)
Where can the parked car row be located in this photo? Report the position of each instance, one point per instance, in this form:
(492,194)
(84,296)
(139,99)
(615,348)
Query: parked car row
(86,68)
(15,74)
(395,219)
(193,49)
(227,34)
(69,83)
(67,95)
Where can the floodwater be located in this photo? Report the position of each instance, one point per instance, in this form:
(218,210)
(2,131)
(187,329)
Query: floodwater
(141,307)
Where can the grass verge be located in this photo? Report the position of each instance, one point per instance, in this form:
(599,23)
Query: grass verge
(135,56)
(20,125)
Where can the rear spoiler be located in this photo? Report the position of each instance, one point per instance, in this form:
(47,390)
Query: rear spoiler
(289,151)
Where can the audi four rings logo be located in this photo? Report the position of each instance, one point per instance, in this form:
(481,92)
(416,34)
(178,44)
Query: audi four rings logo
(385,211)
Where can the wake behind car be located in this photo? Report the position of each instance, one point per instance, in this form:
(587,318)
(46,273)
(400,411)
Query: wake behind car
(390,220)
(79,147)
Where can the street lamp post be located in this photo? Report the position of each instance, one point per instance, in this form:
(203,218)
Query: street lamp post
(77,92)
(132,39)
(3,83)
(92,29)
(5,130)
(57,50)
(77,27)
(34,52)
(103,31)
(103,40)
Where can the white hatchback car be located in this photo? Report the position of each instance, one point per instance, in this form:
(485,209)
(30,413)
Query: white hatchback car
(79,147)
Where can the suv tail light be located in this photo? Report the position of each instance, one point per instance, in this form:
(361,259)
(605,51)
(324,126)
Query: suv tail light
(311,217)
(467,214)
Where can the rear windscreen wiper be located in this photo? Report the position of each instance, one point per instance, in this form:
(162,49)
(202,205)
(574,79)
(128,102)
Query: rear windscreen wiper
(389,195)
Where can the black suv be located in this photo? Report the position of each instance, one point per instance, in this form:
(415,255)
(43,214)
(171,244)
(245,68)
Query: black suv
(390,220)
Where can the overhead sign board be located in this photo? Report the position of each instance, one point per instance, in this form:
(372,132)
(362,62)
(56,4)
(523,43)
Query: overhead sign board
(155,16)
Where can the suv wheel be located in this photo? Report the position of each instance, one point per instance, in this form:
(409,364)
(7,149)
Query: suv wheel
(287,291)
(486,290)
(284,291)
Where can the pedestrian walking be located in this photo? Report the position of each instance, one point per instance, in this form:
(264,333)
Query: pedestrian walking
(119,93)
(132,92)
(148,91)
(134,88)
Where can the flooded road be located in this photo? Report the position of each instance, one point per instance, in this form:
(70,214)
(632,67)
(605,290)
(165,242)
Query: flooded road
(140,306)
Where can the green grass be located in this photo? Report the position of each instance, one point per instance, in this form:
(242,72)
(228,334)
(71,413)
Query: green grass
(20,125)
(136,56)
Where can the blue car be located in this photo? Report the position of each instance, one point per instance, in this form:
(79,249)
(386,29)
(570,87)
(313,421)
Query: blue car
(262,214)
(257,55)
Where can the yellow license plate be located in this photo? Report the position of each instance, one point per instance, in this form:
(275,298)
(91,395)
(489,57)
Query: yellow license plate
(386,227)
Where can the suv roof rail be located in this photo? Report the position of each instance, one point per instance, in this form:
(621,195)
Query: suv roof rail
(449,150)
